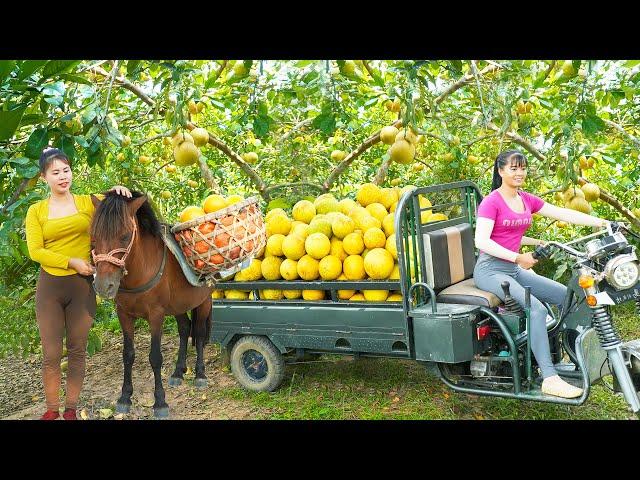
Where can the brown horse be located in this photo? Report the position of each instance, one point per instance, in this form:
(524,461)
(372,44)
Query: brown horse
(146,282)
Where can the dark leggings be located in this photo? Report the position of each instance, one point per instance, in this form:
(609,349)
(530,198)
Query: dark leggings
(65,303)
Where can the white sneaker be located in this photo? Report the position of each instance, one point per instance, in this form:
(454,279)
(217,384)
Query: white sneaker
(559,388)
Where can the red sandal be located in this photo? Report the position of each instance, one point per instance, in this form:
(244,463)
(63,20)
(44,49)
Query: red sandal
(50,415)
(69,414)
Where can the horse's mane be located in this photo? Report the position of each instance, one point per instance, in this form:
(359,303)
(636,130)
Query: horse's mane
(111,214)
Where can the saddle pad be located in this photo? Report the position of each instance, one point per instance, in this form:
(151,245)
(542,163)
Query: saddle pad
(192,277)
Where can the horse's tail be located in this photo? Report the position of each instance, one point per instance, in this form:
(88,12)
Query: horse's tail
(192,332)
(194,322)
(208,322)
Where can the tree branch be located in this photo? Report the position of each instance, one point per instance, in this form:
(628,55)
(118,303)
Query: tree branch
(244,166)
(207,175)
(382,172)
(15,195)
(268,190)
(468,78)
(621,129)
(168,133)
(301,124)
(125,84)
(474,69)
(368,68)
(342,166)
(546,74)
(614,202)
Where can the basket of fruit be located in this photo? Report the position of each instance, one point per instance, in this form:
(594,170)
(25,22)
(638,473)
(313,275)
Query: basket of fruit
(220,236)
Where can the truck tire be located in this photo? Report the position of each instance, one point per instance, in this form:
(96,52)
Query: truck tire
(257,364)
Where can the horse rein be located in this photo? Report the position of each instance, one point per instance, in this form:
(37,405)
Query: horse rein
(120,262)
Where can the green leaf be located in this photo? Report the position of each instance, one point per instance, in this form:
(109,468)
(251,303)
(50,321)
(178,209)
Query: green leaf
(29,67)
(279,203)
(261,125)
(591,124)
(57,101)
(303,63)
(20,161)
(95,155)
(9,122)
(325,122)
(6,67)
(56,67)
(75,78)
(36,143)
(29,170)
(132,66)
(32,118)
(561,269)
(66,144)
(631,63)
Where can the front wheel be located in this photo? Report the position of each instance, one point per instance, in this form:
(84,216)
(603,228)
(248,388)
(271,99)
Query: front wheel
(257,364)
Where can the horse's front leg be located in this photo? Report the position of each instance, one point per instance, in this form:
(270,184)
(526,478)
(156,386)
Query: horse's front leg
(184,328)
(128,356)
(203,317)
(160,407)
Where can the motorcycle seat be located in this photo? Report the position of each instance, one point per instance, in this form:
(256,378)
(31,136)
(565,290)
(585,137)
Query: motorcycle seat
(449,261)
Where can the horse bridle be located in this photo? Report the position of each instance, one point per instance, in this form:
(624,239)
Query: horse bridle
(109,257)
(120,262)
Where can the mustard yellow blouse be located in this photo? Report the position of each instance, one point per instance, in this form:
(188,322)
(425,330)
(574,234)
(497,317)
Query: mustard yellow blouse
(52,242)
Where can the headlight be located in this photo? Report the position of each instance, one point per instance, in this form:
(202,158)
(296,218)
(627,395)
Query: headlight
(622,272)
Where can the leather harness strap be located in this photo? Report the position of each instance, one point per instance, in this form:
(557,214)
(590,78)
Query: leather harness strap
(151,283)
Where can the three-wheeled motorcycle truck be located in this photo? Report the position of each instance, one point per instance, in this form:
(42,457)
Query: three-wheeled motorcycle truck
(477,342)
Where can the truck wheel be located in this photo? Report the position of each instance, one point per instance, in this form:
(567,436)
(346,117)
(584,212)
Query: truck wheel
(257,364)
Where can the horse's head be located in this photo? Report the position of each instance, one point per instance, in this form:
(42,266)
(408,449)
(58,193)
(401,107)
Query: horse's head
(114,232)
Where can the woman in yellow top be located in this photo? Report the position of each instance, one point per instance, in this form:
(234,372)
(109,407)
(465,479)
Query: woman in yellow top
(58,238)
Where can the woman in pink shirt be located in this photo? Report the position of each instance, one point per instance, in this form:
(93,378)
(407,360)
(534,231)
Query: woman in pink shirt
(503,218)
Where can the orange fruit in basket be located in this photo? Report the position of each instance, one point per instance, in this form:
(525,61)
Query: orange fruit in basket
(216,259)
(234,252)
(207,227)
(226,220)
(177,236)
(249,246)
(239,233)
(252,228)
(187,251)
(190,213)
(222,240)
(242,215)
(186,235)
(202,246)
(199,264)
(214,203)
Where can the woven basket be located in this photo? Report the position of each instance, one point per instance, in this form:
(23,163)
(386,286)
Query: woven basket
(222,240)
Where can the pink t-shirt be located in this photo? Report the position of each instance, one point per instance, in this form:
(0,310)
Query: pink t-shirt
(509,226)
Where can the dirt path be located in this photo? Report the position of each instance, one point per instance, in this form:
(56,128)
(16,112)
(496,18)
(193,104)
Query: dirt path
(22,396)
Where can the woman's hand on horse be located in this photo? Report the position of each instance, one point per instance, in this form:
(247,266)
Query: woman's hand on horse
(81,266)
(526,260)
(120,190)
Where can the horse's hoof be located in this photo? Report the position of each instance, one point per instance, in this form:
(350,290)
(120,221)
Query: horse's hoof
(161,412)
(201,382)
(175,381)
(123,407)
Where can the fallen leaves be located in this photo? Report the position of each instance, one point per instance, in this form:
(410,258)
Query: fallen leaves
(105,413)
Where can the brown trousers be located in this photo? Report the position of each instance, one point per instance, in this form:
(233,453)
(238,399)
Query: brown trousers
(68,304)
